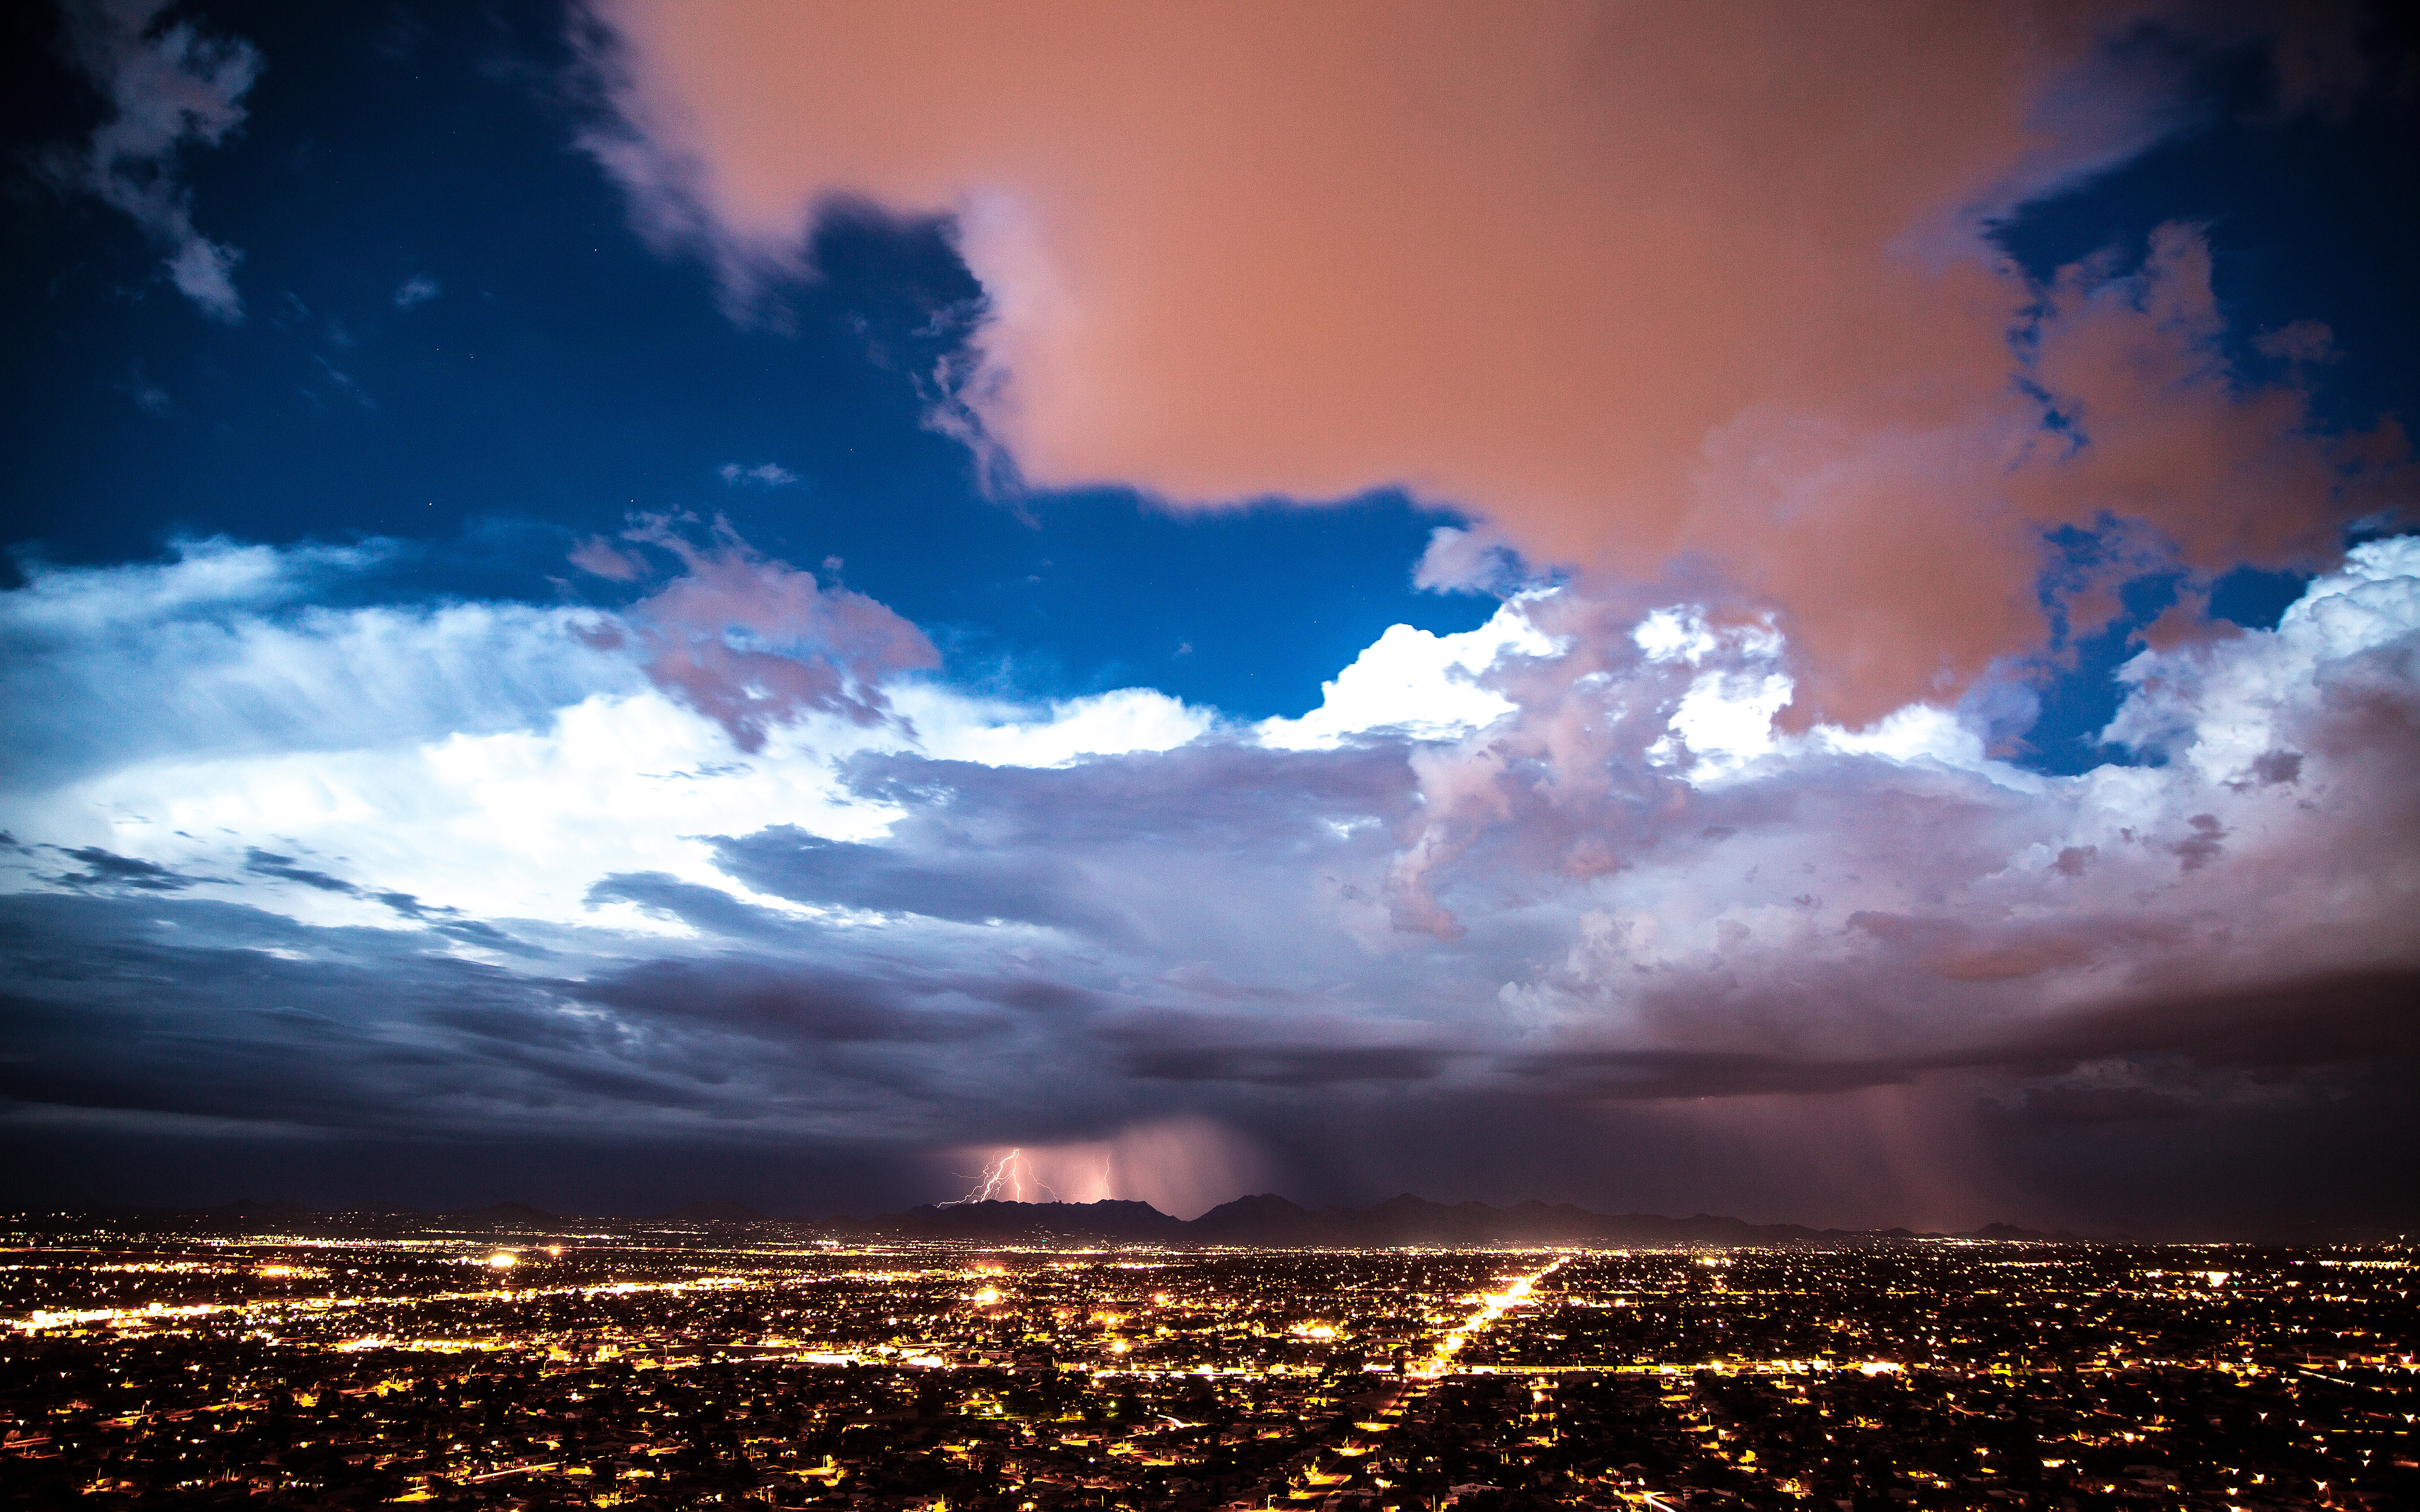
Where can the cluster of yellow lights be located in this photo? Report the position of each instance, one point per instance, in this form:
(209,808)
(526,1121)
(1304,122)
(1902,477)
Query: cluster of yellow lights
(1492,1305)
(503,1259)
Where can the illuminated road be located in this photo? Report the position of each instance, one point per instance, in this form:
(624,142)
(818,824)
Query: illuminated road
(1492,1305)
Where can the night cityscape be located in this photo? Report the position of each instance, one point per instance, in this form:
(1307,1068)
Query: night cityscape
(365,1359)
(1113,755)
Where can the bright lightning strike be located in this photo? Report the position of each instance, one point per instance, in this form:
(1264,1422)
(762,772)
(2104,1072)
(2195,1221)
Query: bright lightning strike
(1004,1179)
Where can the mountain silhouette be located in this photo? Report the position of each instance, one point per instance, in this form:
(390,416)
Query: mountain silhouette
(500,1216)
(1266,1220)
(720,1211)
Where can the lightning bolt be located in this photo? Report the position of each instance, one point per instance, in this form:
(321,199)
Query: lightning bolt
(1008,1175)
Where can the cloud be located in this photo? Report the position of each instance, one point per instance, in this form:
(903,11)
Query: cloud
(785,1002)
(763,475)
(1414,681)
(161,710)
(2271,1029)
(1283,1065)
(1467,560)
(270,864)
(1636,287)
(605,560)
(221,653)
(149,396)
(1304,1042)
(751,643)
(417,289)
(785,862)
(463,873)
(168,86)
(107,869)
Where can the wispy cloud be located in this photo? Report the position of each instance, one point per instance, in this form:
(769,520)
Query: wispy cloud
(753,643)
(169,87)
(763,475)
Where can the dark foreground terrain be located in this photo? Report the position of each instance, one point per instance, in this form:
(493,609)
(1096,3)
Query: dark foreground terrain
(706,1364)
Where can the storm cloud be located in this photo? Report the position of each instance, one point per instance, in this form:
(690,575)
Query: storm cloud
(1626,898)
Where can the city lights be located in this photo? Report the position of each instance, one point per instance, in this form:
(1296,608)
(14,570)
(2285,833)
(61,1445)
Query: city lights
(657,1366)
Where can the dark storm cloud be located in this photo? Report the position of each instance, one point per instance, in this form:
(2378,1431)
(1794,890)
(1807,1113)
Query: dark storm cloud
(2275,1030)
(266,1021)
(1655,1076)
(783,1003)
(2287,1025)
(1283,1065)
(221,1010)
(107,869)
(1306,1047)
(2063,1106)
(710,909)
(269,864)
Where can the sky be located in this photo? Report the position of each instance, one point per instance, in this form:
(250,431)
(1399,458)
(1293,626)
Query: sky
(1811,615)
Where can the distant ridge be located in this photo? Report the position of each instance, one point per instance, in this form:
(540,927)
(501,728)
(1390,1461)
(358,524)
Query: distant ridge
(1108,1219)
(499,1215)
(246,1208)
(720,1211)
(1269,1221)
(1264,1220)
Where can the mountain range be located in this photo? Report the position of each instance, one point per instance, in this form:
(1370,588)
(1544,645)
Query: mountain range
(1265,1221)
(1268,1219)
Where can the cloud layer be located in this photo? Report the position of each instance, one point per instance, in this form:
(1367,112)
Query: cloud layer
(1556,889)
